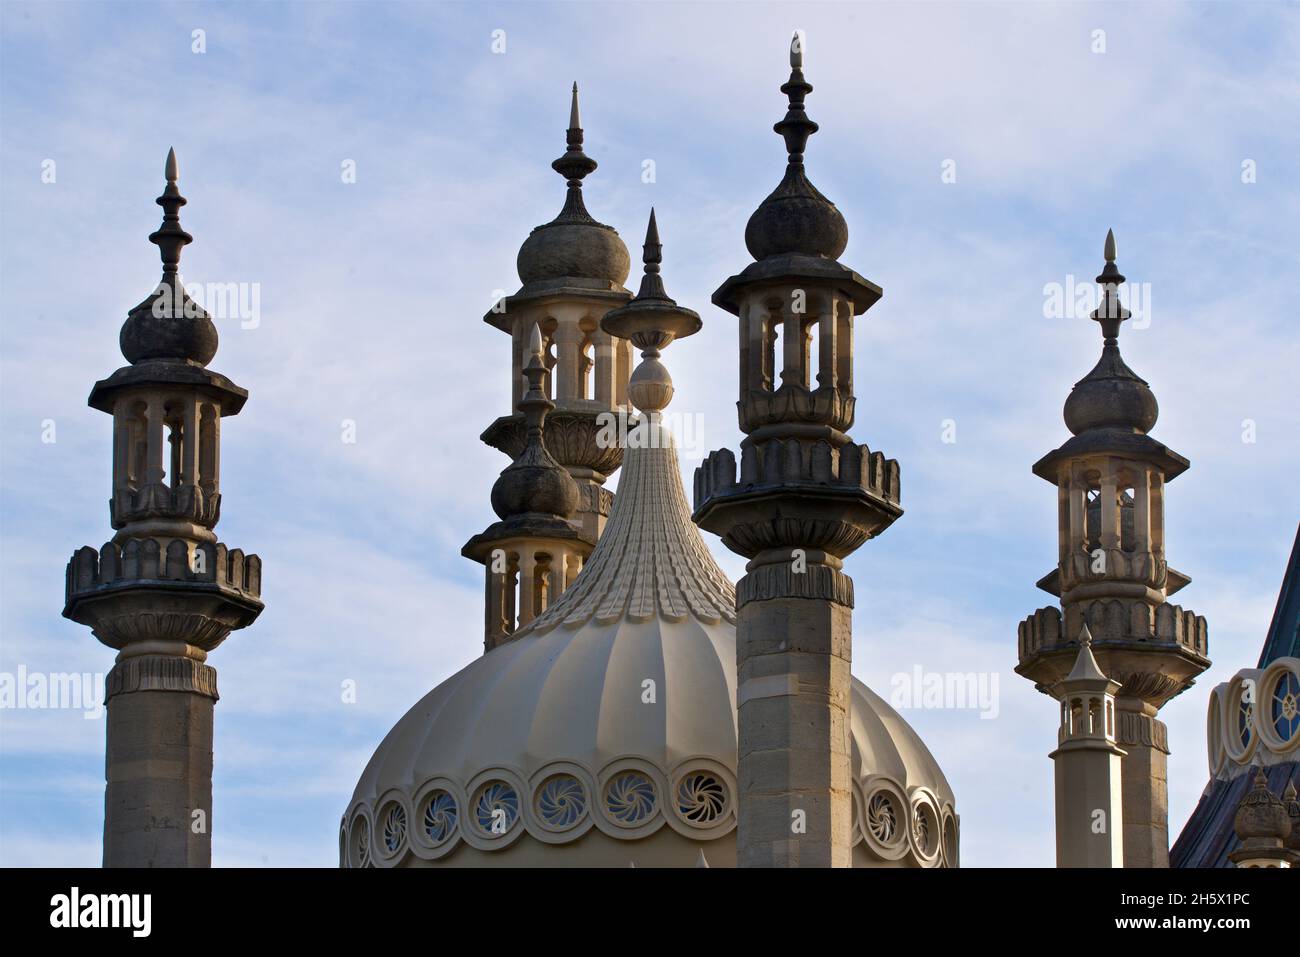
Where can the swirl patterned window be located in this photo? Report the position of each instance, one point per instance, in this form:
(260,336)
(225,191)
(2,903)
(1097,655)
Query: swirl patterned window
(561,801)
(361,843)
(394,826)
(1245,714)
(882,818)
(921,832)
(630,798)
(496,808)
(1285,706)
(440,815)
(701,798)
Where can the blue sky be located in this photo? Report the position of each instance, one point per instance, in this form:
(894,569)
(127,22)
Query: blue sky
(372,295)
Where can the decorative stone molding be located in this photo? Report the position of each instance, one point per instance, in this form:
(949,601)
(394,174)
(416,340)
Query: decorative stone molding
(1115,620)
(143,560)
(1254,718)
(627,800)
(192,503)
(1135,728)
(161,673)
(820,582)
(572,437)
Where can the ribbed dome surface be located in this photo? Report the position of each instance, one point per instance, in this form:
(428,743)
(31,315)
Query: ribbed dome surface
(615,713)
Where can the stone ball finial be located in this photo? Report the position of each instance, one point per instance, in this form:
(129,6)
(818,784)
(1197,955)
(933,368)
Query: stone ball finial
(169,324)
(1261,816)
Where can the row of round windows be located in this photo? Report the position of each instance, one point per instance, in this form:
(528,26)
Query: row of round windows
(1256,708)
(561,802)
(892,825)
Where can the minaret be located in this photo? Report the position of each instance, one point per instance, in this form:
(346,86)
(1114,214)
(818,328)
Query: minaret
(805,498)
(1089,819)
(164,592)
(1112,574)
(572,270)
(535,498)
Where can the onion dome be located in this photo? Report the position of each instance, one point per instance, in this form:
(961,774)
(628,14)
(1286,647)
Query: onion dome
(796,218)
(1261,816)
(534,483)
(574,245)
(1111,396)
(603,732)
(169,325)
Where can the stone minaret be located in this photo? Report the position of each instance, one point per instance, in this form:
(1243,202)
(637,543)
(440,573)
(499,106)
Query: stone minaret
(1089,819)
(535,541)
(806,497)
(572,270)
(1112,575)
(164,592)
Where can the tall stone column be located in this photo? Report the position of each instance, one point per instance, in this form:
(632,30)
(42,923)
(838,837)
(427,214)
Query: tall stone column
(164,592)
(805,497)
(1112,575)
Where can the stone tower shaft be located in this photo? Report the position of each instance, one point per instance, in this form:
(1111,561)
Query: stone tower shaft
(163,592)
(805,497)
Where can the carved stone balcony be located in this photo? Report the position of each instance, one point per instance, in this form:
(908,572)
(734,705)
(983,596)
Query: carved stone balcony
(797,495)
(1155,655)
(137,592)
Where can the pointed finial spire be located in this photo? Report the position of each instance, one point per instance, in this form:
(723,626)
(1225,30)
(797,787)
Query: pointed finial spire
(1085,664)
(795,126)
(701,861)
(574,165)
(652,284)
(1110,312)
(170,238)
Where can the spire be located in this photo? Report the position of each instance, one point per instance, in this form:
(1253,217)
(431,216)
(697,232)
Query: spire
(1110,312)
(170,238)
(795,126)
(651,321)
(1111,396)
(574,165)
(1085,665)
(796,218)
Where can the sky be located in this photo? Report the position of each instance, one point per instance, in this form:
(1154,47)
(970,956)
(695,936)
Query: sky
(979,153)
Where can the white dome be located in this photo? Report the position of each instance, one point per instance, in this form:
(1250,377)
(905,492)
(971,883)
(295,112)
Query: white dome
(605,733)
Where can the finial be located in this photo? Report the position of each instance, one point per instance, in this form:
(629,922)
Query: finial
(795,126)
(651,321)
(1289,793)
(1110,312)
(170,238)
(652,285)
(1085,663)
(573,166)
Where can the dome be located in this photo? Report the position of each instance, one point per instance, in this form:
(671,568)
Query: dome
(605,732)
(1111,396)
(169,325)
(796,218)
(573,250)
